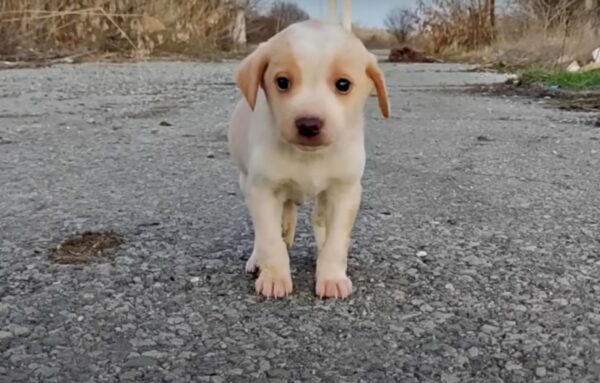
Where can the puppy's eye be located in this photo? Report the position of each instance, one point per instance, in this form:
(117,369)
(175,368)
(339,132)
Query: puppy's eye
(283,83)
(343,86)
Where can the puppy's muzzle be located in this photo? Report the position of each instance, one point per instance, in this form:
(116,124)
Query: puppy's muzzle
(309,127)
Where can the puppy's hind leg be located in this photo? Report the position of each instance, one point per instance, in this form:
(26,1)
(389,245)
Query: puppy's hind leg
(288,222)
(319,221)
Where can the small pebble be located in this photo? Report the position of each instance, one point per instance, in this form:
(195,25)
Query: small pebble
(473,352)
(540,372)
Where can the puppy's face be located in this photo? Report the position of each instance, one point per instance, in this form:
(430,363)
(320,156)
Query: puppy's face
(317,78)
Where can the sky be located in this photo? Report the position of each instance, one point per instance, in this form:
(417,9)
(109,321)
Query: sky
(368,13)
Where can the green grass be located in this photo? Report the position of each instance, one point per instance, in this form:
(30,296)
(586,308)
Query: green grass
(563,79)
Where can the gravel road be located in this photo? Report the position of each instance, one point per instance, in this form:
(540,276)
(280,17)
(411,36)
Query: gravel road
(476,254)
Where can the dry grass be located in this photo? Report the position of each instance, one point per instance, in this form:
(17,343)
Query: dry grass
(544,32)
(374,38)
(131,28)
(555,49)
(84,248)
(455,25)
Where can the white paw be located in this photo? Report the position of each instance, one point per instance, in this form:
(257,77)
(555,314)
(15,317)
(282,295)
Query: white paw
(337,287)
(274,283)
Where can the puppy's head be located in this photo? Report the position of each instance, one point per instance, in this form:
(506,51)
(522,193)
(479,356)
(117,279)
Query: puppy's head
(317,78)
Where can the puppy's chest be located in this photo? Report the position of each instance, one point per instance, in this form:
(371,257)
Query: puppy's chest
(301,176)
(299,181)
(300,189)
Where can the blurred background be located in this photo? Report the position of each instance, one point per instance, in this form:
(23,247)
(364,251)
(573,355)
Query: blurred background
(506,32)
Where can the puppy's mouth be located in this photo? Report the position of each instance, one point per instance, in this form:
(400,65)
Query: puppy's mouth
(310,144)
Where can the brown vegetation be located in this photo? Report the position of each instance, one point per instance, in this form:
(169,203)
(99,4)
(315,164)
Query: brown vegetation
(400,22)
(551,32)
(261,26)
(522,32)
(374,38)
(34,28)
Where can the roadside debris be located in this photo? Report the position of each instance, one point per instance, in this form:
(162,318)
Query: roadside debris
(574,67)
(594,64)
(596,55)
(407,54)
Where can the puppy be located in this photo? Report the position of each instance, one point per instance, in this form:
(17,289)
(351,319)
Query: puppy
(297,134)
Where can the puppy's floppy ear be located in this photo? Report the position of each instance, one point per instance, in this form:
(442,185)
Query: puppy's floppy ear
(250,72)
(376,75)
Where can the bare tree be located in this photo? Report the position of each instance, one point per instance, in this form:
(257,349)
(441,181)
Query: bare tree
(491,5)
(400,22)
(549,13)
(284,14)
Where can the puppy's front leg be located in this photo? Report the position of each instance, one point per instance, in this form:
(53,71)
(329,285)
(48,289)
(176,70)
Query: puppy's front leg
(270,252)
(341,205)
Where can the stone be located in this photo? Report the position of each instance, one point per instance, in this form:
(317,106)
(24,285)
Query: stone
(46,371)
(140,361)
(450,378)
(139,342)
(18,330)
(512,366)
(264,365)
(476,261)
(235,371)
(155,354)
(596,55)
(473,352)
(175,320)
(540,372)
(426,308)
(55,340)
(489,329)
(278,373)
(573,67)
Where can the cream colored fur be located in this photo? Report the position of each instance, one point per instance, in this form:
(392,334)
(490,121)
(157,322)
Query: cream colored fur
(280,170)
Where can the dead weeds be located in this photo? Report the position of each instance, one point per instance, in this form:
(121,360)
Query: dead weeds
(46,30)
(85,248)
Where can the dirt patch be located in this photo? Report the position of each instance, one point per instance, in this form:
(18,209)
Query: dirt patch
(409,55)
(85,248)
(561,99)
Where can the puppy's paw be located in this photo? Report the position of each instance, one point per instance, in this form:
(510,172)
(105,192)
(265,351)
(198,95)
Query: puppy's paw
(336,287)
(274,284)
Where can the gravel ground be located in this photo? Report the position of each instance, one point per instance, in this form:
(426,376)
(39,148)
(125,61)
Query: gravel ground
(476,254)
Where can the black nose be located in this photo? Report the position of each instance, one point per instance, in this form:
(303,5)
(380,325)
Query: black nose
(308,126)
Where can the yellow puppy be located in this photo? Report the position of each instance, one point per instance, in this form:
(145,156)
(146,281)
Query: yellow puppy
(298,134)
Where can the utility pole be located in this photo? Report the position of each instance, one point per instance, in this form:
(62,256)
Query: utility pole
(332,13)
(347,15)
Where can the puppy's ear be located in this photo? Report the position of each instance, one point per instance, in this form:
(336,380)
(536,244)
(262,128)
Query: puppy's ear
(250,73)
(376,75)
